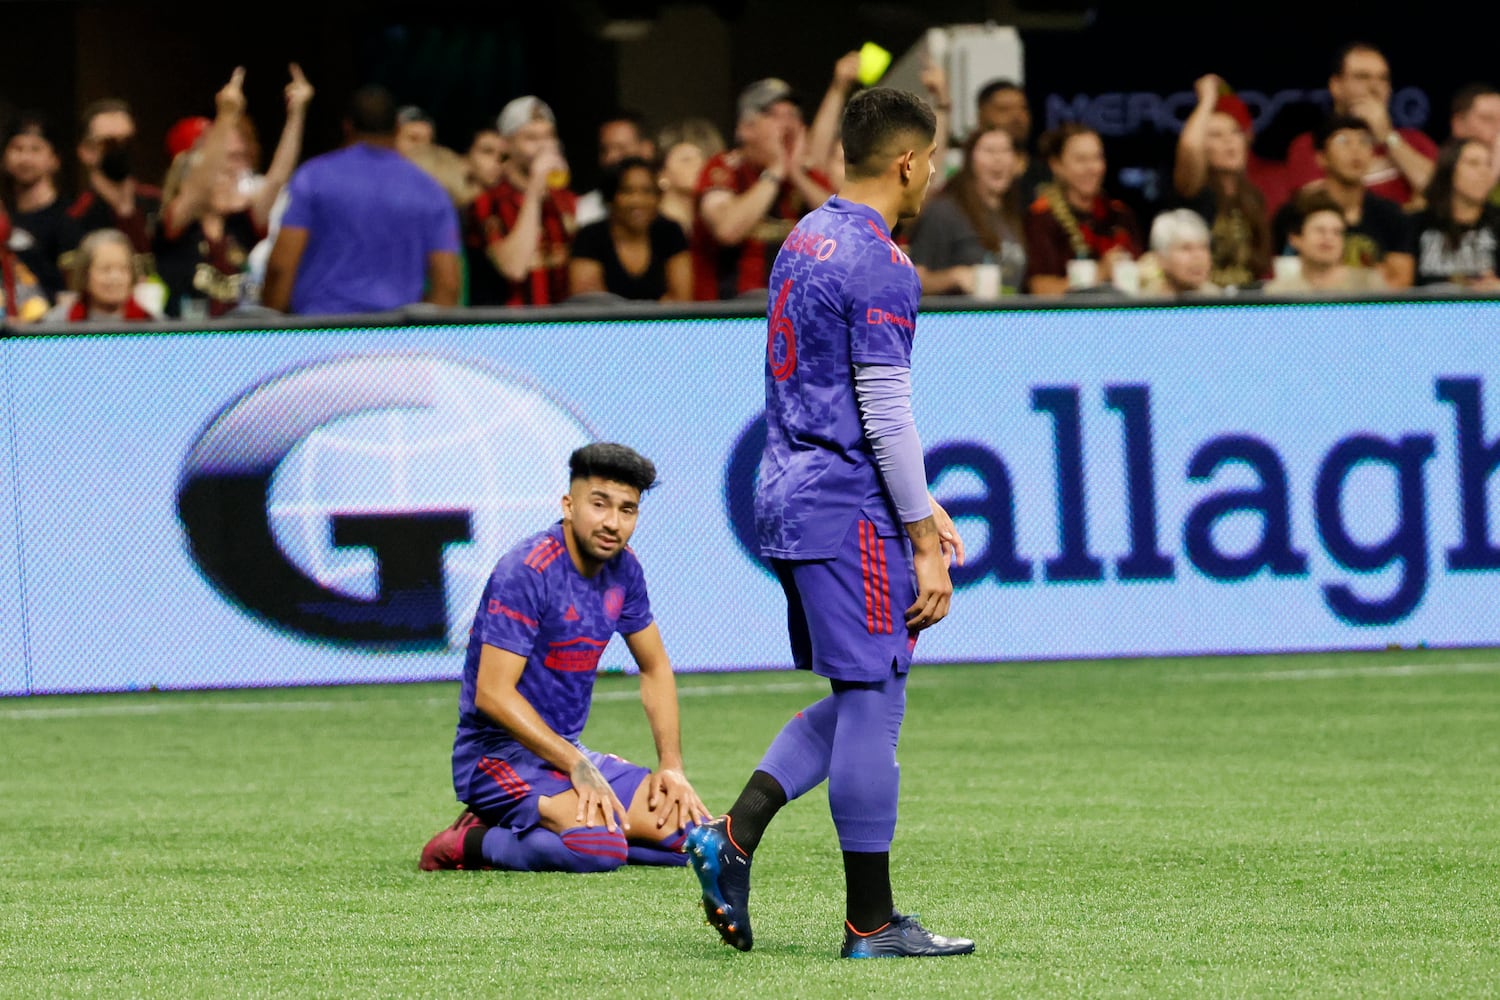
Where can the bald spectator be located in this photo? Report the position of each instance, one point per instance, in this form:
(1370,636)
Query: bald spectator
(1360,87)
(622,136)
(365,229)
(114,198)
(521,230)
(751,196)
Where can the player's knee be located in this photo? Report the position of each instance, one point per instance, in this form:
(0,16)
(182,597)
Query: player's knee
(595,848)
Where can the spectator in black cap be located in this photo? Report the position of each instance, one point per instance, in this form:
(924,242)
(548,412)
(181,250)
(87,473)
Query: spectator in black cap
(751,196)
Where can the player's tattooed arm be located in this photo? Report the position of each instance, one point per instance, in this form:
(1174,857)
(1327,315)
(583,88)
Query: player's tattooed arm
(595,796)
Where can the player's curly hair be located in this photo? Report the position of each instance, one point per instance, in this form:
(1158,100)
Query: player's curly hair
(613,462)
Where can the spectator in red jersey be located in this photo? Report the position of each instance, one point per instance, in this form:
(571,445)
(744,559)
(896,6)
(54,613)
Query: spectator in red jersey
(1072,218)
(635,253)
(685,147)
(750,197)
(522,228)
(1210,177)
(41,229)
(105,273)
(114,199)
(622,136)
(215,210)
(1360,86)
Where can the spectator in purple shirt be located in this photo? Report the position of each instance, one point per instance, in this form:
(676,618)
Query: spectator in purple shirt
(365,229)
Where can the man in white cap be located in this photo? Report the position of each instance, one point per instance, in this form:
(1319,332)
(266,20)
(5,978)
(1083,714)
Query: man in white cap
(751,196)
(521,230)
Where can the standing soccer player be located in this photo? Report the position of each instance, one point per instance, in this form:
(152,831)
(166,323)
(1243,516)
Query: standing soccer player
(841,480)
(537,799)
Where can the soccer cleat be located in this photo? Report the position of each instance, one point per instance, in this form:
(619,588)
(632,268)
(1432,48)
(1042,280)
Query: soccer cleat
(446,848)
(902,937)
(724,872)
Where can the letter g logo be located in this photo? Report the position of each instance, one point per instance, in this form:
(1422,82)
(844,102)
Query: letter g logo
(364,500)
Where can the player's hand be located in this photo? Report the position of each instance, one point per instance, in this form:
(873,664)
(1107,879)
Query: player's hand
(952,542)
(596,798)
(934,586)
(673,801)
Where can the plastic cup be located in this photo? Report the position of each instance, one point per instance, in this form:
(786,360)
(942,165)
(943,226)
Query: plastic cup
(1083,273)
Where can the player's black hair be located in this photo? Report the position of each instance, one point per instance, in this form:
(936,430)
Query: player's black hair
(876,121)
(613,462)
(994,87)
(609,182)
(372,111)
(1339,123)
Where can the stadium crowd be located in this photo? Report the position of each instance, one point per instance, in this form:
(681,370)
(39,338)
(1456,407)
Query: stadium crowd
(683,214)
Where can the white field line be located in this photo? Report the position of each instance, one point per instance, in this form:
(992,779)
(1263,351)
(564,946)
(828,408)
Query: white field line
(332,705)
(1337,673)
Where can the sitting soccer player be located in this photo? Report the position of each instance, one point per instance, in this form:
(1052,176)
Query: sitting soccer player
(538,799)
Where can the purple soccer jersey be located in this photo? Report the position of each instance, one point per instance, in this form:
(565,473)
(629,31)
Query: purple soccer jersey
(842,293)
(539,606)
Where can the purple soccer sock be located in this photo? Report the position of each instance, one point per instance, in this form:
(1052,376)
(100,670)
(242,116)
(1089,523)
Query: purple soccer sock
(579,849)
(864,780)
(798,757)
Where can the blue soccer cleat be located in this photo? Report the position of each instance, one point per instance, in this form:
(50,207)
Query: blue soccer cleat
(903,937)
(724,872)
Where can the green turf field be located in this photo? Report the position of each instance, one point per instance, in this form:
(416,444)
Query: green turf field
(1272,826)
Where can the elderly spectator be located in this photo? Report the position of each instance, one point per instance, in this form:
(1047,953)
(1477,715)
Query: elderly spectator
(22,298)
(622,136)
(104,277)
(635,253)
(521,229)
(1002,104)
(1360,86)
(1378,234)
(1476,116)
(975,221)
(1457,234)
(365,229)
(41,229)
(114,199)
(686,147)
(1317,236)
(415,130)
(750,197)
(1210,176)
(1072,218)
(1179,262)
(215,209)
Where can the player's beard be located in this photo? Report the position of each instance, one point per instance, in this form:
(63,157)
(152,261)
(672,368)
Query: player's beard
(589,545)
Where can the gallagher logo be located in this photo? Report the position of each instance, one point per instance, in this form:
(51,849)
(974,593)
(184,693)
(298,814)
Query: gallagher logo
(364,500)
